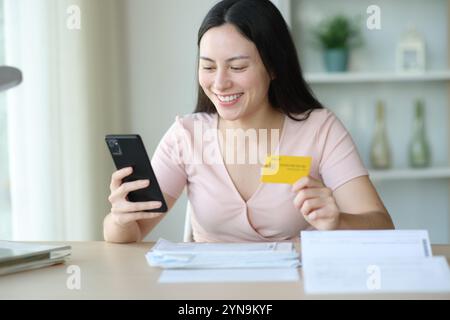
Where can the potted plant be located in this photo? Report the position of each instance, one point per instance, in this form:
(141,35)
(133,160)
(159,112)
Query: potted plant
(336,36)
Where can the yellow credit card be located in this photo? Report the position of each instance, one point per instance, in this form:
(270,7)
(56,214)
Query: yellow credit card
(285,169)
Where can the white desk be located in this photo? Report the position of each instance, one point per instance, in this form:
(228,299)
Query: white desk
(120,271)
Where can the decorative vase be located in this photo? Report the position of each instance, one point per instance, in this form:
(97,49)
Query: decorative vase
(336,60)
(419,149)
(380,151)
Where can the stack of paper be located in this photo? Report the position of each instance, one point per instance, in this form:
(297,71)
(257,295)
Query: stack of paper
(371,262)
(16,256)
(229,275)
(166,254)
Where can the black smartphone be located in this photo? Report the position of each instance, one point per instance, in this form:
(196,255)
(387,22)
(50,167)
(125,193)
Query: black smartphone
(128,150)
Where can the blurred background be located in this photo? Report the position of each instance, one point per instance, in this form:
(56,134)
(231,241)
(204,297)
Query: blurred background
(95,67)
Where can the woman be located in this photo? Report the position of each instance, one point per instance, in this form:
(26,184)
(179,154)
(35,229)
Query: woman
(250,81)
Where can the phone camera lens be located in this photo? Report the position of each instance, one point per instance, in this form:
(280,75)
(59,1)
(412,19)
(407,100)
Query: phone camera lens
(114,147)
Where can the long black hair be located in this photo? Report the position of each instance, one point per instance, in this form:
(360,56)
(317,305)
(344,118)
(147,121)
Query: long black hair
(262,23)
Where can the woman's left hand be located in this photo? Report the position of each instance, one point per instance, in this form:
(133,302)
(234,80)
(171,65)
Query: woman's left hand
(317,203)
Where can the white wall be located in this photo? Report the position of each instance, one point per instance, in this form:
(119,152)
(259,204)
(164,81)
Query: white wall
(160,55)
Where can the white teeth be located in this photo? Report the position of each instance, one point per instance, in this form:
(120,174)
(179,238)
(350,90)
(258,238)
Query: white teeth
(228,98)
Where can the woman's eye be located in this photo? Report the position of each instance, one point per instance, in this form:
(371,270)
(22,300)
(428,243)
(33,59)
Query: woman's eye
(208,68)
(238,68)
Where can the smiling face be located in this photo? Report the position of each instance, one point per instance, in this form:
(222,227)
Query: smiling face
(232,74)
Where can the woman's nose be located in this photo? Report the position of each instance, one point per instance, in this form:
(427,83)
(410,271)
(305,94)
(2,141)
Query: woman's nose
(222,81)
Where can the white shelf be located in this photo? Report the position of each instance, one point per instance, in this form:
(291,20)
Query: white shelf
(402,174)
(351,77)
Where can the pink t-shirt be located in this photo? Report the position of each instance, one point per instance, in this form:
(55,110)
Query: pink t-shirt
(189,155)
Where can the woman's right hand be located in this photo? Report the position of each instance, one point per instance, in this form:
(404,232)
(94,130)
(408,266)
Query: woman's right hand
(124,212)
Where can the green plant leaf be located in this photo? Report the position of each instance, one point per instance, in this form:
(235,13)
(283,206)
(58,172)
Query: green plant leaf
(338,32)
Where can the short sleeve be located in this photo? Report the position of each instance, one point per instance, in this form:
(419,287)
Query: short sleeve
(340,161)
(167,161)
